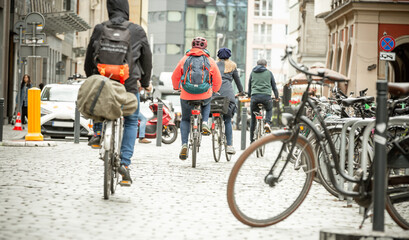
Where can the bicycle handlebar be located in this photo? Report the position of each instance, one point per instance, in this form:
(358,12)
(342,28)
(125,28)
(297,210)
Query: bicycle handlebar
(320,72)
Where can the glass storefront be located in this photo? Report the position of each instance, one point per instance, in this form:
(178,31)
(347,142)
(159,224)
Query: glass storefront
(222,22)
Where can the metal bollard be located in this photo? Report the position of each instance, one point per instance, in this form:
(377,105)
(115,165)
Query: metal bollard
(380,156)
(34,115)
(159,125)
(77,125)
(1,118)
(243,127)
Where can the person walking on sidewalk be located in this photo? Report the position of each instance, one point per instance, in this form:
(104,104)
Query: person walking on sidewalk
(228,70)
(140,67)
(261,84)
(142,128)
(196,62)
(22,102)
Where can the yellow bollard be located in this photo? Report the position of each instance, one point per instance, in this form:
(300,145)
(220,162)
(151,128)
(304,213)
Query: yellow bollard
(34,115)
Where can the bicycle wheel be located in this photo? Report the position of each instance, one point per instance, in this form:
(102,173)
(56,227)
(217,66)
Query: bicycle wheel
(397,196)
(107,174)
(257,204)
(217,135)
(256,137)
(194,149)
(228,156)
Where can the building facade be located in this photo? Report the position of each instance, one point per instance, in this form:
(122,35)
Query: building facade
(56,34)
(173,25)
(268,22)
(355,30)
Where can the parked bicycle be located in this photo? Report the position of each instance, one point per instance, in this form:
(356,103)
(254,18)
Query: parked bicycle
(110,153)
(282,177)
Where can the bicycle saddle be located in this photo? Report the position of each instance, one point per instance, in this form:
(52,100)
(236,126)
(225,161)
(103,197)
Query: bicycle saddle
(398,89)
(195,102)
(351,101)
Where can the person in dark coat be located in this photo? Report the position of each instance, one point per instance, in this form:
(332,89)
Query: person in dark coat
(140,67)
(23,101)
(261,86)
(228,70)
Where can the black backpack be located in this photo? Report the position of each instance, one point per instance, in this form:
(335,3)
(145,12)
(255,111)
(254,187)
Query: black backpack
(196,74)
(113,51)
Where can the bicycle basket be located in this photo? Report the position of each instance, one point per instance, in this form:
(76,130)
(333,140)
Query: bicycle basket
(219,104)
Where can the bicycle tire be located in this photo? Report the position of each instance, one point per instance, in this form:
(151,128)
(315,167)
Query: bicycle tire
(256,137)
(217,134)
(107,174)
(397,196)
(262,134)
(228,156)
(282,199)
(194,149)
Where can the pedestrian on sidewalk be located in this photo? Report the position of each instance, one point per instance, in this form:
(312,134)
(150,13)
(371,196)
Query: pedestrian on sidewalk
(191,68)
(139,61)
(228,71)
(142,128)
(261,86)
(22,103)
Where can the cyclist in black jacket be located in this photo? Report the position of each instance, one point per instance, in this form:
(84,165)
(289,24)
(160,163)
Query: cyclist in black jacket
(140,69)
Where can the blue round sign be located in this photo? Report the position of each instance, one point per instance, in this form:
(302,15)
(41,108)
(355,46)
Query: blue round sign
(387,43)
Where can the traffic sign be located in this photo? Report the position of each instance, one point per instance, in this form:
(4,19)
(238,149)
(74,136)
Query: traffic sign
(34,18)
(387,56)
(387,43)
(40,51)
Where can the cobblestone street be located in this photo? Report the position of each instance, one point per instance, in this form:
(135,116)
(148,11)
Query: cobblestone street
(56,193)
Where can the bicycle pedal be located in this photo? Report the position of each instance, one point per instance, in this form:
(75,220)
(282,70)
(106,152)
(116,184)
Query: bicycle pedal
(96,146)
(125,183)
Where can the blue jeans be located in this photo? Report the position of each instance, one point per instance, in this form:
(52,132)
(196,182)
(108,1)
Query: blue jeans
(129,137)
(142,125)
(268,105)
(228,130)
(187,112)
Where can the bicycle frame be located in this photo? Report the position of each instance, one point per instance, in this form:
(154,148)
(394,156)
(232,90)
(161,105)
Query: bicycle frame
(321,137)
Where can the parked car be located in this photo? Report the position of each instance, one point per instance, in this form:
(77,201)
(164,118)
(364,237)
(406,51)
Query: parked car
(58,111)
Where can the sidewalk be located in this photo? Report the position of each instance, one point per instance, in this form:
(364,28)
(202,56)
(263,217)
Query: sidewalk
(57,193)
(16,138)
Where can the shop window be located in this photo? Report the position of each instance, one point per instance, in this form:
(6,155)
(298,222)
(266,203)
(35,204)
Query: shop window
(202,21)
(155,17)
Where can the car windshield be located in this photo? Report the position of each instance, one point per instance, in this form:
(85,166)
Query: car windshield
(62,93)
(174,99)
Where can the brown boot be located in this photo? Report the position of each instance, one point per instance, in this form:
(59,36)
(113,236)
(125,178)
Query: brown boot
(144,140)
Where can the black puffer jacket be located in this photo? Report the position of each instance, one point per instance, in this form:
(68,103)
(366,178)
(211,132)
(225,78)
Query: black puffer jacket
(141,66)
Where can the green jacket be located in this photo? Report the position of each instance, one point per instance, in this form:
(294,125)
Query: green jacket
(262,82)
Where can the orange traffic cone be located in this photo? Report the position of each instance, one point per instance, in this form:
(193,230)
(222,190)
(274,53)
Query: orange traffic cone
(17,126)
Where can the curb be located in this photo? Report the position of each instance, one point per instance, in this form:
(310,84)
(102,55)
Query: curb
(23,143)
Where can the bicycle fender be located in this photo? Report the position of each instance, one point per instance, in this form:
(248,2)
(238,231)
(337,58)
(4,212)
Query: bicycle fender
(312,126)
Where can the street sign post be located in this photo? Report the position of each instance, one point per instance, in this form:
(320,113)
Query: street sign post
(387,44)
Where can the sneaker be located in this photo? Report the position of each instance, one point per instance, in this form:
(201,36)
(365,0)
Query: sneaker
(267,128)
(144,140)
(126,176)
(230,150)
(183,152)
(95,142)
(205,130)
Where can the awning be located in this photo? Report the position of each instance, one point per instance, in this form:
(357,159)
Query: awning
(62,22)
